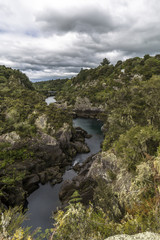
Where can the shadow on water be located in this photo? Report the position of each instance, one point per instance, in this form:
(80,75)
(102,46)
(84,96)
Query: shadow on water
(45,200)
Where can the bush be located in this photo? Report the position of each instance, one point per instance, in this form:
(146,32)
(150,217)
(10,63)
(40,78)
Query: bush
(135,143)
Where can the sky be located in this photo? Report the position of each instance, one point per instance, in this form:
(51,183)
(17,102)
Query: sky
(50,39)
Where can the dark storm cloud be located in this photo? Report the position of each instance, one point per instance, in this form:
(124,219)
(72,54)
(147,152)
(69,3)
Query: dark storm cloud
(81,20)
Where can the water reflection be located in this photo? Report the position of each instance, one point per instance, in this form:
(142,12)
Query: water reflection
(50,100)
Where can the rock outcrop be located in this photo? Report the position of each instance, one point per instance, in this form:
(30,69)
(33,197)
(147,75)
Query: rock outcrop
(107,167)
(11,137)
(139,236)
(84,108)
(83,183)
(50,157)
(41,122)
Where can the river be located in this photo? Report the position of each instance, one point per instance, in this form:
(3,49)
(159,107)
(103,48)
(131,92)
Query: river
(50,100)
(45,200)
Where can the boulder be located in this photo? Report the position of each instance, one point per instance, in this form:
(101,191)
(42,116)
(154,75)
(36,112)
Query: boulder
(139,236)
(48,140)
(66,191)
(31,182)
(81,147)
(52,172)
(104,165)
(11,137)
(14,196)
(77,167)
(64,134)
(41,122)
(84,108)
(43,177)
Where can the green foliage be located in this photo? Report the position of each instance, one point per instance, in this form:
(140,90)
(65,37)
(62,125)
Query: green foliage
(8,74)
(57,116)
(15,154)
(9,174)
(25,129)
(75,198)
(141,218)
(104,82)
(50,85)
(79,223)
(11,226)
(105,62)
(82,223)
(107,200)
(135,143)
(20,106)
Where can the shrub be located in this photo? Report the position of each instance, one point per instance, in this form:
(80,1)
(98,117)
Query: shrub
(135,143)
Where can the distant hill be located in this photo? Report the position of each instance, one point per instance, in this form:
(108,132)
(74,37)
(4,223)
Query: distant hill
(8,76)
(49,86)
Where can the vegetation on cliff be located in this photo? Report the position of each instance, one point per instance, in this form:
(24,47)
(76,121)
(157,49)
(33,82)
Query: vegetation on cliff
(102,83)
(25,120)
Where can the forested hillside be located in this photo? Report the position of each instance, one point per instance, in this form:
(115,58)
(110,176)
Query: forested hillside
(49,86)
(101,83)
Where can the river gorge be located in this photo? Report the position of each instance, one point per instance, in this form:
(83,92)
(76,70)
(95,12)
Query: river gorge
(45,200)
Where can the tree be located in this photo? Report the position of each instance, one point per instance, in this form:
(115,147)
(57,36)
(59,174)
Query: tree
(147,56)
(105,62)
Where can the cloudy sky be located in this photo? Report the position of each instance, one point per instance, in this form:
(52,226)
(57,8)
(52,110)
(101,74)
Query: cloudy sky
(49,39)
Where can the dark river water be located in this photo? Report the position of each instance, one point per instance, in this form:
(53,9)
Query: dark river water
(45,200)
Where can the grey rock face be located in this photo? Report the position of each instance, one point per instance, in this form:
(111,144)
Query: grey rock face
(139,236)
(84,108)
